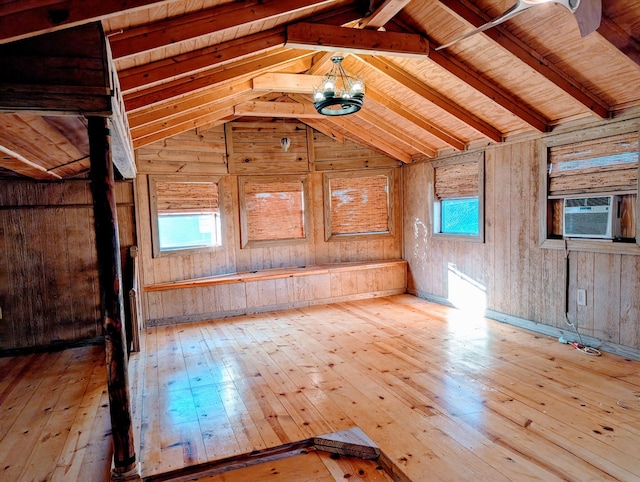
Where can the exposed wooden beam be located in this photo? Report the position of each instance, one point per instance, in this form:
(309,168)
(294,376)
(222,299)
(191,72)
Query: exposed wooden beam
(188,103)
(391,131)
(167,127)
(517,107)
(304,84)
(533,59)
(292,110)
(210,120)
(383,14)
(619,38)
(28,19)
(344,39)
(324,128)
(395,106)
(203,80)
(289,83)
(321,63)
(186,27)
(113,318)
(15,162)
(409,82)
(153,73)
(369,137)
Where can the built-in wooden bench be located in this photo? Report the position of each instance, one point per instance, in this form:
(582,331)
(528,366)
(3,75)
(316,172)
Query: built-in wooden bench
(271,289)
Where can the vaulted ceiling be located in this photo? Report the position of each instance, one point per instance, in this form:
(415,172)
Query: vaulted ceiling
(195,64)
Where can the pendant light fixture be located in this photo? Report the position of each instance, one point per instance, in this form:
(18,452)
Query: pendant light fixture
(339,93)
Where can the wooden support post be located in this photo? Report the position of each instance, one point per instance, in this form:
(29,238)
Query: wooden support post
(109,267)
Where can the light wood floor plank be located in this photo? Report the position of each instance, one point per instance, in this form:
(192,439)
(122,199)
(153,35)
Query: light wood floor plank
(445,395)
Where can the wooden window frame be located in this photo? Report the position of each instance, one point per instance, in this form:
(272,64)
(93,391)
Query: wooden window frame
(574,244)
(245,242)
(435,210)
(390,175)
(153,207)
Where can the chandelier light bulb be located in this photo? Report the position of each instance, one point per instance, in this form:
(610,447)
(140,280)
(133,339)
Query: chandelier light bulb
(338,93)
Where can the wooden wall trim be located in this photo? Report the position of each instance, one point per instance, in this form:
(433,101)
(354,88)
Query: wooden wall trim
(551,331)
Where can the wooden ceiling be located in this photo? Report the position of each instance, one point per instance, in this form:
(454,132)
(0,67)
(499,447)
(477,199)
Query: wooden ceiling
(195,64)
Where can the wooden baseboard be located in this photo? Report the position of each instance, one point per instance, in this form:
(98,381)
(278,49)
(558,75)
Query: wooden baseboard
(567,333)
(50,347)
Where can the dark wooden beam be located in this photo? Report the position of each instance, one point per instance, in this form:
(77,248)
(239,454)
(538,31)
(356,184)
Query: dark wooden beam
(64,72)
(533,59)
(112,304)
(186,27)
(344,39)
(381,15)
(28,19)
(620,38)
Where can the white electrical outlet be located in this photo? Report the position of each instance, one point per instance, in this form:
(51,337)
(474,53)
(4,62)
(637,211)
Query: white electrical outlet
(581,297)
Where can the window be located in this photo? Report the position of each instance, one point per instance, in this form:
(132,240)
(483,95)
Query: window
(273,209)
(185,214)
(587,170)
(458,197)
(359,203)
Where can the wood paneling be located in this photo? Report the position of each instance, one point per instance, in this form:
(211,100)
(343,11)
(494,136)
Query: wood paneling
(255,147)
(518,277)
(231,258)
(48,274)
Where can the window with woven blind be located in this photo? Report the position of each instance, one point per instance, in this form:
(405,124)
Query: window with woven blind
(609,164)
(185,214)
(457,196)
(273,209)
(586,167)
(358,203)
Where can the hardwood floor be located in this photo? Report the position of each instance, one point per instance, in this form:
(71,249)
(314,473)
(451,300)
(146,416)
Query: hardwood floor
(54,417)
(445,396)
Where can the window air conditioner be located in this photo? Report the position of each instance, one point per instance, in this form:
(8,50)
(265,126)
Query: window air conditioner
(592,217)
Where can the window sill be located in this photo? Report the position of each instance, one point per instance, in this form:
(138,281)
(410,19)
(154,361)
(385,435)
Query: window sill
(593,246)
(457,237)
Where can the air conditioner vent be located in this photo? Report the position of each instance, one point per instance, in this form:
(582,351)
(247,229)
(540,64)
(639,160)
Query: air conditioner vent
(588,201)
(591,217)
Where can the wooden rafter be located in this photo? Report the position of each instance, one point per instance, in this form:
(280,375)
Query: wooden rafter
(408,81)
(233,72)
(186,27)
(383,14)
(188,103)
(396,107)
(324,128)
(489,88)
(502,36)
(344,39)
(28,19)
(398,136)
(14,161)
(150,74)
(620,38)
(291,110)
(370,137)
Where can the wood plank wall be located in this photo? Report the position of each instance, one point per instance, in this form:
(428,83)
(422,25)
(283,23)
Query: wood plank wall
(49,289)
(520,278)
(186,154)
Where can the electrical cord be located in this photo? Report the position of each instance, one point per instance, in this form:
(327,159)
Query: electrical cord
(587,350)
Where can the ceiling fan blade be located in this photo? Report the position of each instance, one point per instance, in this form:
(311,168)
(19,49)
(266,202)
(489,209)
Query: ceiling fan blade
(588,14)
(512,12)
